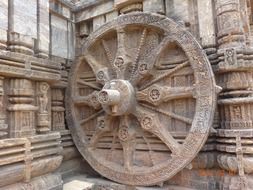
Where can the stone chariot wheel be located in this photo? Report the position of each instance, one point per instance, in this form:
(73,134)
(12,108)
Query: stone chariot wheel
(141,100)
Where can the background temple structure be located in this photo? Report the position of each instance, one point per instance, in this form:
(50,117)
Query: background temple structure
(147,92)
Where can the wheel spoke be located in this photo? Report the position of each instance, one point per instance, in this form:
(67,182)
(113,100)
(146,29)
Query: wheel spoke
(146,65)
(92,62)
(107,51)
(90,100)
(135,63)
(122,59)
(126,136)
(103,126)
(101,72)
(83,121)
(157,94)
(150,122)
(170,72)
(89,84)
(170,114)
(103,75)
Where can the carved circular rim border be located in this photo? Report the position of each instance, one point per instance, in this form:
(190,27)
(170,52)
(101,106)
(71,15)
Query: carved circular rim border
(205,103)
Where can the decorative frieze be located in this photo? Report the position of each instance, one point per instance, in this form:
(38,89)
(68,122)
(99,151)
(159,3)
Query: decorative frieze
(236,113)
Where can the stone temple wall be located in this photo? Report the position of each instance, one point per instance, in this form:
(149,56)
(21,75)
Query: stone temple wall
(36,49)
(224,30)
(40,39)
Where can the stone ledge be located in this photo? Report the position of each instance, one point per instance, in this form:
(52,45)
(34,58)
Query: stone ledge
(25,66)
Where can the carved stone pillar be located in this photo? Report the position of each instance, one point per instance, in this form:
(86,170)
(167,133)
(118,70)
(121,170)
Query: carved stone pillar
(235,75)
(229,23)
(21,108)
(43,121)
(3,125)
(58,110)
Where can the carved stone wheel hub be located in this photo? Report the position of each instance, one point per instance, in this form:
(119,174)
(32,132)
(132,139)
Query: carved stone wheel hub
(140,102)
(117,97)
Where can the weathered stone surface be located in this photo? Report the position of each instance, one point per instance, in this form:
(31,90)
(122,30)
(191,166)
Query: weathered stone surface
(25,158)
(25,17)
(121,3)
(3,23)
(4,14)
(43,28)
(178,10)
(154,6)
(94,11)
(110,16)
(206,23)
(71,41)
(82,182)
(98,21)
(47,182)
(66,12)
(59,36)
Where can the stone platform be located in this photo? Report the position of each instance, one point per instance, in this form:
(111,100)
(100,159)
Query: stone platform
(83,182)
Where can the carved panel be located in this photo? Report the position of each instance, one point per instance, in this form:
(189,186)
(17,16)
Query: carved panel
(58,110)
(43,102)
(236,113)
